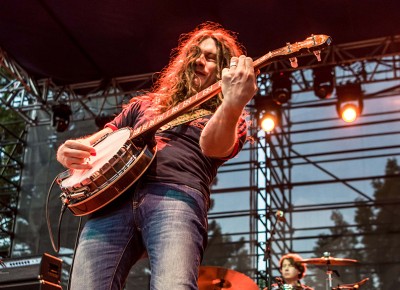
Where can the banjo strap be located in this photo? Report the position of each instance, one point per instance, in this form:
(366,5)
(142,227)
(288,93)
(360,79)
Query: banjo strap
(185,118)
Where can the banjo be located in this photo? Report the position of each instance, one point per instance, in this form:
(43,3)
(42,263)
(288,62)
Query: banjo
(122,156)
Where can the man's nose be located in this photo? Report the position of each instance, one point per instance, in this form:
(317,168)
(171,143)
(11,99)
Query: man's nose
(201,60)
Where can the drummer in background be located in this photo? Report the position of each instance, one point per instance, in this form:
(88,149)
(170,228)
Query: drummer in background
(292,272)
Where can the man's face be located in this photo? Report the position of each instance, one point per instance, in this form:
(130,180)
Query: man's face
(289,272)
(206,65)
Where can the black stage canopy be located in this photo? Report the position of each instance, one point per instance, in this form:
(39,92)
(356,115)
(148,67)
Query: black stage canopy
(73,41)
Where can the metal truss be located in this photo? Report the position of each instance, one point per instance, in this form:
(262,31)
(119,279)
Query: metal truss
(11,166)
(375,60)
(33,99)
(273,200)
(371,61)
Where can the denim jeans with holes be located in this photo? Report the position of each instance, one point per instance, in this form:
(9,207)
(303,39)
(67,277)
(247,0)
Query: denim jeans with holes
(166,220)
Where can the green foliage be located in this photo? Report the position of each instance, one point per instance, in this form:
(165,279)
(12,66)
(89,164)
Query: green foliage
(12,128)
(340,243)
(375,241)
(223,252)
(381,222)
(11,149)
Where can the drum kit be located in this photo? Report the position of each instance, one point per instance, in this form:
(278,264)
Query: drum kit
(219,278)
(328,261)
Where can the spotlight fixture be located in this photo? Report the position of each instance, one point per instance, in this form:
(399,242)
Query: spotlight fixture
(269,120)
(268,113)
(281,87)
(349,103)
(61,116)
(323,81)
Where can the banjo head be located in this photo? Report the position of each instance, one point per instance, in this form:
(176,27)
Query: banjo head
(118,164)
(105,149)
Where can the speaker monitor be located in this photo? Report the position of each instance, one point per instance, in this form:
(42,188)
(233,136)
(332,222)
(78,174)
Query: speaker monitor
(30,274)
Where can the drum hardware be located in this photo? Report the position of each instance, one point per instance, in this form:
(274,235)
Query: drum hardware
(352,286)
(290,287)
(279,217)
(218,278)
(281,286)
(328,261)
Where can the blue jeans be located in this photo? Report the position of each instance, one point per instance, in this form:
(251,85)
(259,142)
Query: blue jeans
(168,221)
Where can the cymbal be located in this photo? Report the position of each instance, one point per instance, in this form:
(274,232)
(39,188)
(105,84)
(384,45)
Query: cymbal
(329,261)
(218,278)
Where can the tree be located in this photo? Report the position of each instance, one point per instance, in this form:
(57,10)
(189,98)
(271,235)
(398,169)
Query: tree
(12,130)
(382,245)
(340,243)
(223,252)
(376,240)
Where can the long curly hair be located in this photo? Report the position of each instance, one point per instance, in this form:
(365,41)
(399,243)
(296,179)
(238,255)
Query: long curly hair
(175,82)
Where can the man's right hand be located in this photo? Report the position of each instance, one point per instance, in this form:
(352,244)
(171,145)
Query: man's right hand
(73,154)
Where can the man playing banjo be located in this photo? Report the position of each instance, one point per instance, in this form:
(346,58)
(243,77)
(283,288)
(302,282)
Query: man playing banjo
(165,212)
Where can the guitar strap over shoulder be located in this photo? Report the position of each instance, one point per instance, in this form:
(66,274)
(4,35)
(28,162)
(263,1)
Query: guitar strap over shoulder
(185,118)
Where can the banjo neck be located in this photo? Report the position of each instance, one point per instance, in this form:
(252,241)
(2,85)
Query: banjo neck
(311,44)
(169,115)
(121,166)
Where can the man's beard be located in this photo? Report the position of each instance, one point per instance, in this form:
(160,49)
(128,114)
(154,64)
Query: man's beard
(196,82)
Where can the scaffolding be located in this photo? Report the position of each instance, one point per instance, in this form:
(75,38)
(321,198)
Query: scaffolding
(269,163)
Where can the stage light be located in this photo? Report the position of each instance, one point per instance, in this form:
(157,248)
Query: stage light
(61,117)
(269,121)
(349,105)
(281,87)
(268,112)
(349,113)
(323,81)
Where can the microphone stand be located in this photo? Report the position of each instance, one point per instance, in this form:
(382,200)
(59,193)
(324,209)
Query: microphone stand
(267,253)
